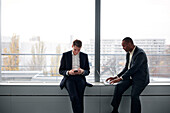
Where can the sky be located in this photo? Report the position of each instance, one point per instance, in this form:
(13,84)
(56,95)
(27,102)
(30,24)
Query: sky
(58,20)
(136,18)
(52,20)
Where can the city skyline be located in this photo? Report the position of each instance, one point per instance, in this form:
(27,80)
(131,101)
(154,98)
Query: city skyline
(111,43)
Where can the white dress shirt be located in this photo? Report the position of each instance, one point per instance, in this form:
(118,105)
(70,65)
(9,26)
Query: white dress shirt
(75,61)
(130,57)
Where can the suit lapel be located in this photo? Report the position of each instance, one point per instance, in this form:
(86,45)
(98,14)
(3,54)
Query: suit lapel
(127,59)
(70,59)
(134,55)
(80,56)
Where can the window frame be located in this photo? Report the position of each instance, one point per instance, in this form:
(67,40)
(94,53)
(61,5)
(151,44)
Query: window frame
(0,43)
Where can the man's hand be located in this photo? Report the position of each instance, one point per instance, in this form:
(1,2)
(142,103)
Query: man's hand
(111,78)
(71,72)
(116,80)
(79,72)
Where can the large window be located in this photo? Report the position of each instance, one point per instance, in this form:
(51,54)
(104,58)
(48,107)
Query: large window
(145,21)
(35,33)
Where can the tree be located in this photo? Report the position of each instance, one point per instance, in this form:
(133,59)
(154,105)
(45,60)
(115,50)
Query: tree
(55,62)
(38,62)
(11,62)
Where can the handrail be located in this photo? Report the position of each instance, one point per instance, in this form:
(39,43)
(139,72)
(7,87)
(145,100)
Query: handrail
(88,54)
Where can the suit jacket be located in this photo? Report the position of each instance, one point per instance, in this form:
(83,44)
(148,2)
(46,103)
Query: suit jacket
(138,68)
(66,64)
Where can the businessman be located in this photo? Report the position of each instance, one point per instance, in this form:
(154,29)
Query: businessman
(135,74)
(74,67)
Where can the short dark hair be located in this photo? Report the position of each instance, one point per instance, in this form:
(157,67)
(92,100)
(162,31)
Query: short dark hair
(77,43)
(128,40)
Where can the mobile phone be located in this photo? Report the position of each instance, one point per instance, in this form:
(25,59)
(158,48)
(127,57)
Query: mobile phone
(75,70)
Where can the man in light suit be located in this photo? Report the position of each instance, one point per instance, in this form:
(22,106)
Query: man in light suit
(74,67)
(135,74)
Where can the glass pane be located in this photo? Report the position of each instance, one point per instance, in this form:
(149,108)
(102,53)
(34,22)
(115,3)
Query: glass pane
(147,22)
(35,33)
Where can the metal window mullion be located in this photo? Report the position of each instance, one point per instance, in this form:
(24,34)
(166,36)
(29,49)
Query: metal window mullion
(0,42)
(97,40)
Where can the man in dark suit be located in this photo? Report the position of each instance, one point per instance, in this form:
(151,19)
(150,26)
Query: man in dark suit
(74,67)
(135,74)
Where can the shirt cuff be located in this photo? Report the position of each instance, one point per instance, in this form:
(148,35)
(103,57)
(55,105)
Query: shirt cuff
(83,73)
(67,73)
(121,77)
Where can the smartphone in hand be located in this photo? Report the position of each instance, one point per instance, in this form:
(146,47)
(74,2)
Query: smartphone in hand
(75,71)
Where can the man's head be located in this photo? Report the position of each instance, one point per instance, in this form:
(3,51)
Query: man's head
(76,46)
(127,44)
